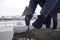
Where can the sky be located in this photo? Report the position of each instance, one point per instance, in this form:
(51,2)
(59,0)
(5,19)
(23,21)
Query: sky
(14,7)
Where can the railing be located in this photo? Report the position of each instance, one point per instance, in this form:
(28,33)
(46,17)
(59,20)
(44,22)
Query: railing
(13,23)
(5,24)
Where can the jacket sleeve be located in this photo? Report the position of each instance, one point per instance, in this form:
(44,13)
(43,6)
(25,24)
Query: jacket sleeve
(48,7)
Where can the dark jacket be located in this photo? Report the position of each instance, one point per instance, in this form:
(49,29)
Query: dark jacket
(51,6)
(32,7)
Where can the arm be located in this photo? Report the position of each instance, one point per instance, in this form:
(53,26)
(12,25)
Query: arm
(48,7)
(32,7)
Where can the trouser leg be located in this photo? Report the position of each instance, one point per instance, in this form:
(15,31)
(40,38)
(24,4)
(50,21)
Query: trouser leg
(55,24)
(53,14)
(48,21)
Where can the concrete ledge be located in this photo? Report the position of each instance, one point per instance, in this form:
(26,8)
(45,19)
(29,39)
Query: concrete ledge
(19,29)
(6,33)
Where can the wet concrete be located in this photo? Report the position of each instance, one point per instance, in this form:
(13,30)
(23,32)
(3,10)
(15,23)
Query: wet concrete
(41,34)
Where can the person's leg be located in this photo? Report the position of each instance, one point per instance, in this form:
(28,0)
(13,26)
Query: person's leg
(55,22)
(48,21)
(54,17)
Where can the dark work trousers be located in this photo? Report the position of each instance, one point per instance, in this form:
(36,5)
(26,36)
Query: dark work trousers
(53,15)
(48,22)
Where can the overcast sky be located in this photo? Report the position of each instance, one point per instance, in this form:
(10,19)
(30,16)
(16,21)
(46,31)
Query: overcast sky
(14,7)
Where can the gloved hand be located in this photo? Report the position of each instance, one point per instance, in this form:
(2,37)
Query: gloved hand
(27,19)
(39,22)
